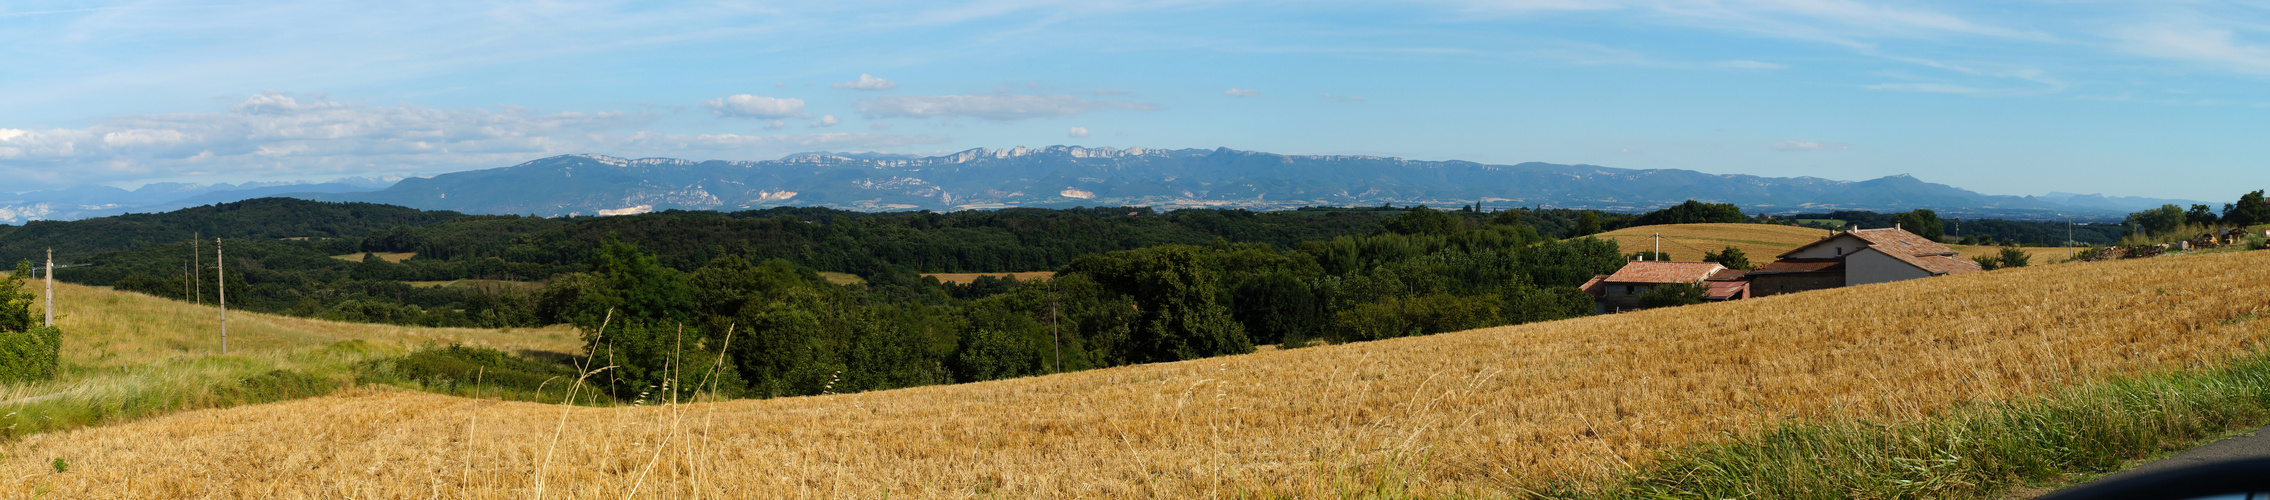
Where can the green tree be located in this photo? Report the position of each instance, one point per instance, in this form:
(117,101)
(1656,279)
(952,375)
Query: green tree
(2158,221)
(2201,215)
(2251,209)
(1178,317)
(1587,224)
(1672,294)
(2013,257)
(15,301)
(1692,212)
(1923,222)
(1731,257)
(1424,221)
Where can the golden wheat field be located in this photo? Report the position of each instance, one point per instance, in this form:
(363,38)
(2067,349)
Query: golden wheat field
(1484,412)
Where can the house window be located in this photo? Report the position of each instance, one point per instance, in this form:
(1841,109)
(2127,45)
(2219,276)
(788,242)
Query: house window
(1630,289)
(1840,251)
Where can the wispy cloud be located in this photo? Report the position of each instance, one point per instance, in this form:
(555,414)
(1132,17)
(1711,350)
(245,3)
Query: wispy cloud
(1238,92)
(1794,145)
(992,107)
(866,82)
(2192,42)
(751,106)
(1077,133)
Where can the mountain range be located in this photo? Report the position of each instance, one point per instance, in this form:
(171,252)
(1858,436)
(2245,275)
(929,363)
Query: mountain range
(100,201)
(1067,176)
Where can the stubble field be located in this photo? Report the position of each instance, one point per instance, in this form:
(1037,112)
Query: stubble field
(1485,412)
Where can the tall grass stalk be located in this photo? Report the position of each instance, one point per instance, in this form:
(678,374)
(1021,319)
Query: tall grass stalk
(1975,451)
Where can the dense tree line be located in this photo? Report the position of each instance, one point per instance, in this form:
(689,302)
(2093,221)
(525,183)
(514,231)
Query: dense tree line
(778,329)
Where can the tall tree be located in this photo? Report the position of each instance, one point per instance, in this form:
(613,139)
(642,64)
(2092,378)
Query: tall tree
(2250,210)
(1731,257)
(1923,222)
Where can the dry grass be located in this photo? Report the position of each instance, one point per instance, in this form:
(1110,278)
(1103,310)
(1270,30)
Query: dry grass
(394,257)
(127,355)
(1484,412)
(967,278)
(2040,255)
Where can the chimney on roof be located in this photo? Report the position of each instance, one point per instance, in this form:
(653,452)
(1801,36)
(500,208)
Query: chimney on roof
(1895,225)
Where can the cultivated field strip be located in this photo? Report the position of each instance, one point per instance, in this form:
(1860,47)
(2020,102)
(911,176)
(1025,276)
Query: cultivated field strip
(1486,411)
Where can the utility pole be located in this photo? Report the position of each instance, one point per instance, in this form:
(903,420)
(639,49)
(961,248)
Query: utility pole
(220,277)
(1052,329)
(197,263)
(50,288)
(1658,255)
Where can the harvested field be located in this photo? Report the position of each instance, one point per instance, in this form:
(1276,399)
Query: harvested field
(966,278)
(1484,411)
(1687,242)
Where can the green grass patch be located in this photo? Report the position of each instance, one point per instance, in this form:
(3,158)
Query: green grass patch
(1976,451)
(480,373)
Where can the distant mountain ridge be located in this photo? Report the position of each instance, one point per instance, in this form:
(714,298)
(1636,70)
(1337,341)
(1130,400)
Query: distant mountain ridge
(1066,176)
(101,201)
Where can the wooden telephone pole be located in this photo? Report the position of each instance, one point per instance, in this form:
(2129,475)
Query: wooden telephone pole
(50,288)
(197,263)
(224,290)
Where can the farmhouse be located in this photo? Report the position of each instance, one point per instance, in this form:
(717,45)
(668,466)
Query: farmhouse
(1621,291)
(1858,257)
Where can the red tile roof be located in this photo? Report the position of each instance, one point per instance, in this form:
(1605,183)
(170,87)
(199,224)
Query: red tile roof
(1728,274)
(1897,241)
(1594,287)
(1663,272)
(1722,290)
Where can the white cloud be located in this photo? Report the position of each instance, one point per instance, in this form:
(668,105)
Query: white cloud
(825,121)
(1748,64)
(751,106)
(991,107)
(780,85)
(284,136)
(1342,98)
(879,126)
(1794,145)
(866,82)
(2199,44)
(1078,133)
(776,125)
(1238,92)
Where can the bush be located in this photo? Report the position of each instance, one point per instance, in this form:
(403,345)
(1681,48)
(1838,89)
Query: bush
(1673,294)
(1731,257)
(30,354)
(1987,263)
(1426,315)
(2013,257)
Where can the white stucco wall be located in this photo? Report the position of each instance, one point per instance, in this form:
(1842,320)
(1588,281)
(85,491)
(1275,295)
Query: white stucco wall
(1872,266)
(1844,242)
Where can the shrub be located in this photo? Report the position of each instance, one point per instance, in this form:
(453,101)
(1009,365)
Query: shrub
(1731,257)
(2013,257)
(30,354)
(1987,263)
(1674,294)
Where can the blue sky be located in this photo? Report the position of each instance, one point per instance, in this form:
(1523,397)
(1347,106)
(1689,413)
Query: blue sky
(2162,99)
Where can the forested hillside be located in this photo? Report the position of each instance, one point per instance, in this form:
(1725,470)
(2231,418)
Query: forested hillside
(1132,285)
(265,218)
